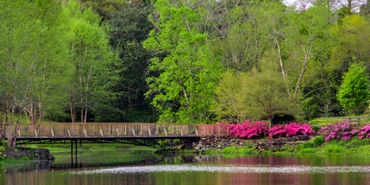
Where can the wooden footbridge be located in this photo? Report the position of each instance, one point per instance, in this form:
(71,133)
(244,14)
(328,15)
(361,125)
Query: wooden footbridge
(136,133)
(57,131)
(147,134)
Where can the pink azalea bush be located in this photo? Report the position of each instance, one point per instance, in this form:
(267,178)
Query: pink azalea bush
(249,130)
(340,130)
(291,129)
(364,132)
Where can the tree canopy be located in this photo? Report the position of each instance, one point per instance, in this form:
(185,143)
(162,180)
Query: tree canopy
(354,92)
(177,61)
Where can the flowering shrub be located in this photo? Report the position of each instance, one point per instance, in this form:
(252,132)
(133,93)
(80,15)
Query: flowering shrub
(364,132)
(291,129)
(341,130)
(249,130)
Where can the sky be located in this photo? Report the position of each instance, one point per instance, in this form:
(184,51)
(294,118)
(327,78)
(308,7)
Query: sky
(337,3)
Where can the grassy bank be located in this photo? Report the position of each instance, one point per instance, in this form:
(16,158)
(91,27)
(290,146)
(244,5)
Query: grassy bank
(316,145)
(88,154)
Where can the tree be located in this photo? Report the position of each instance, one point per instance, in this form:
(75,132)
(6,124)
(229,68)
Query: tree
(93,61)
(188,72)
(106,8)
(267,93)
(352,38)
(129,27)
(354,92)
(229,103)
(31,57)
(257,94)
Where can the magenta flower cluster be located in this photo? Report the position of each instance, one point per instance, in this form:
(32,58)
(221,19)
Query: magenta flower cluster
(340,130)
(249,130)
(260,129)
(364,132)
(291,129)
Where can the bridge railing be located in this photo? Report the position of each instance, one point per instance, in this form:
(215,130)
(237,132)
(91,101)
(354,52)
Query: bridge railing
(119,130)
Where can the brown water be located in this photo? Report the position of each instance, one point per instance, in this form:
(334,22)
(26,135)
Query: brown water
(205,170)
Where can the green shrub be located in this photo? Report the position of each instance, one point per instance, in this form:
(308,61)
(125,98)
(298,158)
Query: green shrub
(308,144)
(307,150)
(319,140)
(2,152)
(287,148)
(236,150)
(333,149)
(355,142)
(316,128)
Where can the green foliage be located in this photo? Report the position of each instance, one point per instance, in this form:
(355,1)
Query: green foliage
(92,60)
(237,150)
(307,150)
(129,27)
(354,92)
(188,73)
(318,140)
(308,144)
(2,152)
(267,94)
(333,149)
(107,7)
(355,142)
(229,104)
(254,95)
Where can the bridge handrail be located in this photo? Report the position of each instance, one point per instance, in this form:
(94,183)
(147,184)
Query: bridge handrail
(119,130)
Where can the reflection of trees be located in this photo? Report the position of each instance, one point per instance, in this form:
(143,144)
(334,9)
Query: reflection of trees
(59,177)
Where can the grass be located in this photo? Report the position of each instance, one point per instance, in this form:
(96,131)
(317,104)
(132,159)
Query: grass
(333,149)
(237,150)
(307,150)
(327,120)
(89,154)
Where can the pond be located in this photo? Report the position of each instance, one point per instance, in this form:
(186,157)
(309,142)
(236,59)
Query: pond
(105,169)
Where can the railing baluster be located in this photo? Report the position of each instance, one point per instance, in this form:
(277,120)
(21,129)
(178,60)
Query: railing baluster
(57,130)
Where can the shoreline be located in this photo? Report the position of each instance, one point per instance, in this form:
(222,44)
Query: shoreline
(212,145)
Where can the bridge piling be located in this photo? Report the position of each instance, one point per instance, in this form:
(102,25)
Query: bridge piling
(73,149)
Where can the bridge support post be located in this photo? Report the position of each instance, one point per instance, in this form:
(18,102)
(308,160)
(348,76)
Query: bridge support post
(73,162)
(188,143)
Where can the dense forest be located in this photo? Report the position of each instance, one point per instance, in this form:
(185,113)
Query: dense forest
(192,61)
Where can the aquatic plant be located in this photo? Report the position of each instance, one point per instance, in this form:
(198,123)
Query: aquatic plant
(291,129)
(249,130)
(364,132)
(340,130)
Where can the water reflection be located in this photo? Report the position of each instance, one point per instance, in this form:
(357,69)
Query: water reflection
(207,170)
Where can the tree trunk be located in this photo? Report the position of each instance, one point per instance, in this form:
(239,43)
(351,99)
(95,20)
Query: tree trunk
(41,115)
(307,58)
(11,129)
(72,107)
(2,123)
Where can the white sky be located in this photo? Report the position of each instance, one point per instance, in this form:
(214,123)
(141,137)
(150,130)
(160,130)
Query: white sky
(337,3)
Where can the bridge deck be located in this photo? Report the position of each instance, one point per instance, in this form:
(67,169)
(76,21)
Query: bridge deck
(55,131)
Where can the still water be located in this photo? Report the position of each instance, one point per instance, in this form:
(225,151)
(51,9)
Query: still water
(199,170)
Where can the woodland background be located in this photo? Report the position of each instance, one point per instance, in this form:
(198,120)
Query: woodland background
(194,61)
